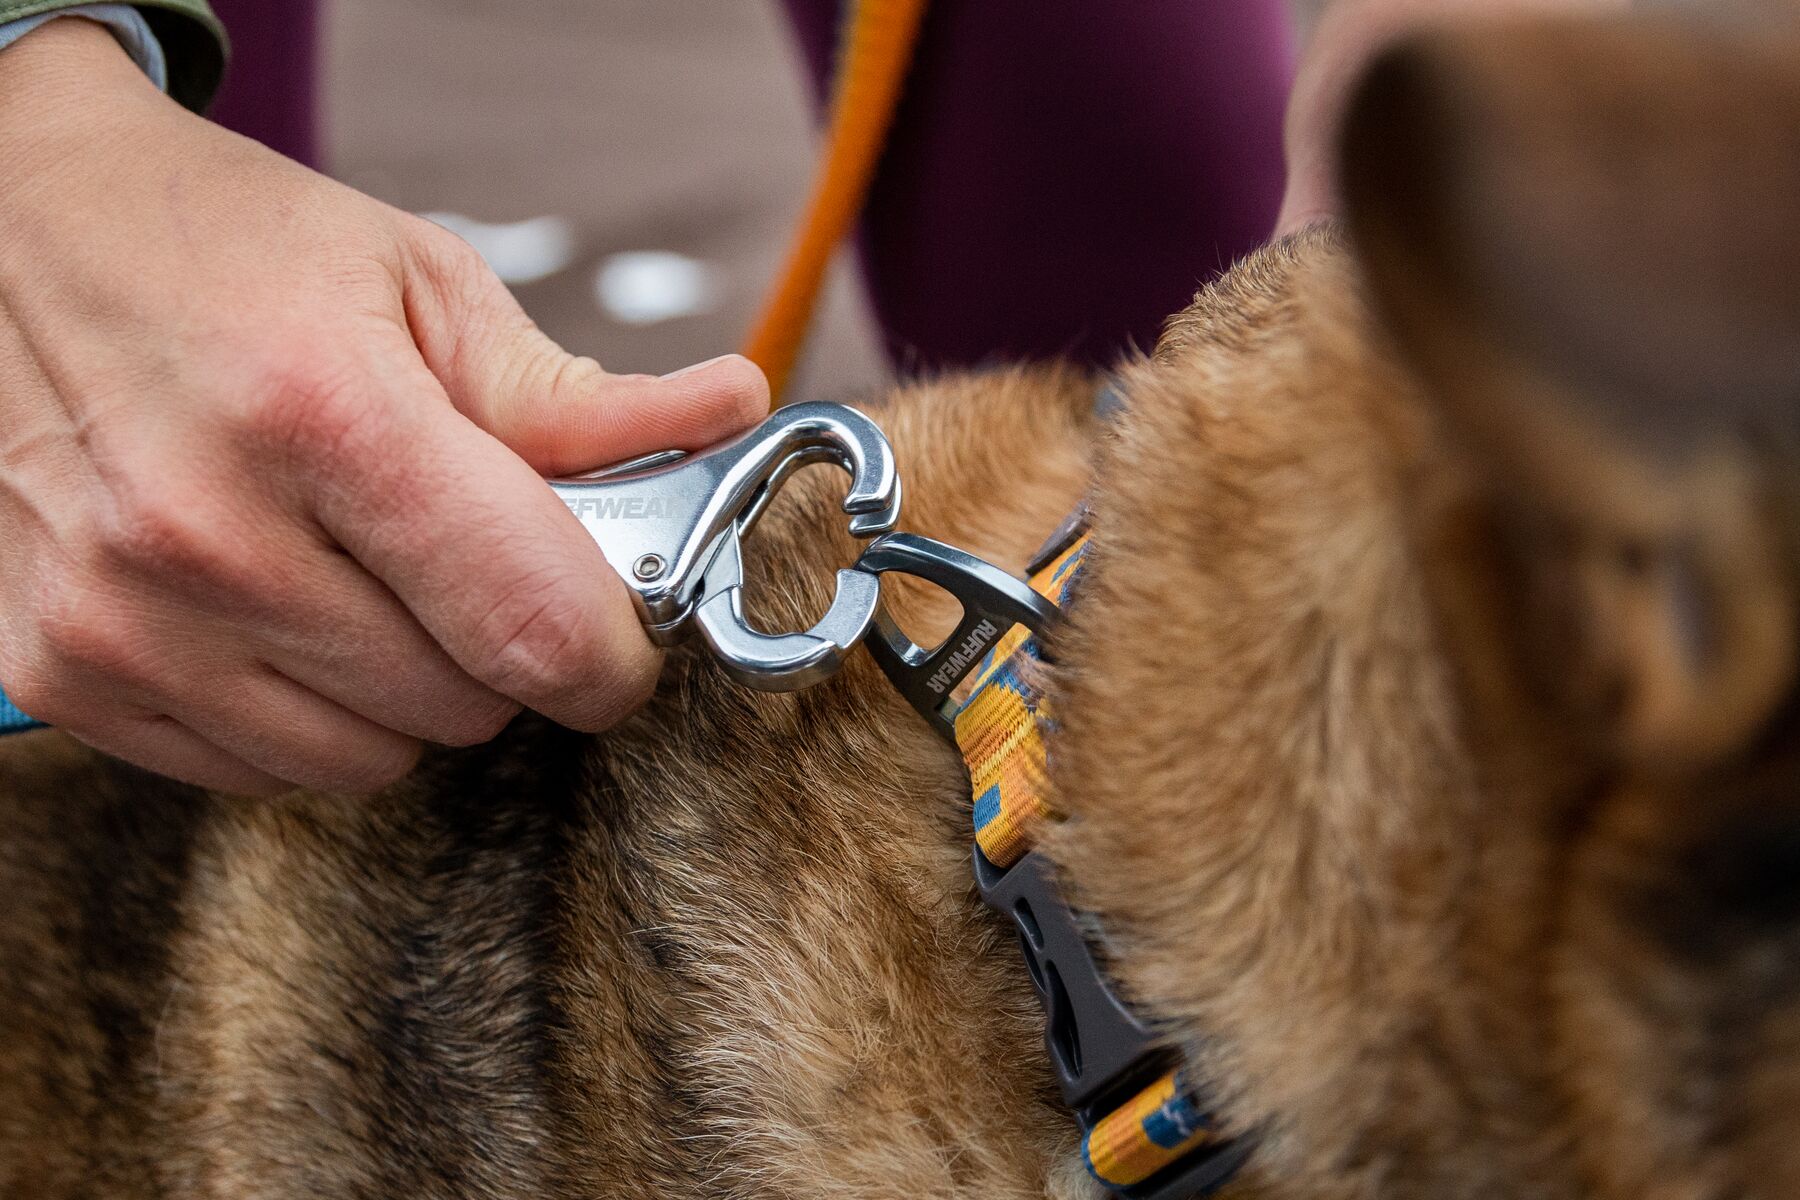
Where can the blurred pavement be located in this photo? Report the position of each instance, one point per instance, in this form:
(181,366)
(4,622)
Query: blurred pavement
(635,126)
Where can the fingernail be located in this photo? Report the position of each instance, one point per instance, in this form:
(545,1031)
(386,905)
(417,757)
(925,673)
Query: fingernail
(699,366)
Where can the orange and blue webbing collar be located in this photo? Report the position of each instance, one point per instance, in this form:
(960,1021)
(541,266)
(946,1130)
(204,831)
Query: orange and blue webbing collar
(1147,1133)
(1000,728)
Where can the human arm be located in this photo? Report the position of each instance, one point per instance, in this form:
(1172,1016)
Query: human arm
(270,454)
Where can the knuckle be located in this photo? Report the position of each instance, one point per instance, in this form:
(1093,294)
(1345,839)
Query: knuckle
(86,637)
(154,528)
(574,376)
(314,413)
(533,644)
(450,264)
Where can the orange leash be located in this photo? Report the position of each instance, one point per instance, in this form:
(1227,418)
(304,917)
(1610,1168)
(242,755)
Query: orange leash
(877,51)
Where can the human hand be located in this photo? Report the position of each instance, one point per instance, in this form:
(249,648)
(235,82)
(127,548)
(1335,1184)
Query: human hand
(1348,36)
(271,506)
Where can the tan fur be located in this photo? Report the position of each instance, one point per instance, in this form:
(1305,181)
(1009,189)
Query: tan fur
(728,950)
(1444,807)
(1459,703)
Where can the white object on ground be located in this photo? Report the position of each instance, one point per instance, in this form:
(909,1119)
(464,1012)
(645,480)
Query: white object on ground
(643,287)
(520,252)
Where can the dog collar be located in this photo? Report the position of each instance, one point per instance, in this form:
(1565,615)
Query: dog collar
(1147,1132)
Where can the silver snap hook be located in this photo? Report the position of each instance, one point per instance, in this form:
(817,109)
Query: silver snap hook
(785,662)
(670,525)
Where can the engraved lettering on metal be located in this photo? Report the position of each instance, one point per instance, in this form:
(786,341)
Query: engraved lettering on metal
(992,603)
(955,667)
(620,508)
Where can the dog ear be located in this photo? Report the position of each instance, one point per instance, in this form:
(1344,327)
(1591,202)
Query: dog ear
(1584,237)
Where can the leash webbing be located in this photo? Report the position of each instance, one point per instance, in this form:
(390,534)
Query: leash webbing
(877,53)
(1001,732)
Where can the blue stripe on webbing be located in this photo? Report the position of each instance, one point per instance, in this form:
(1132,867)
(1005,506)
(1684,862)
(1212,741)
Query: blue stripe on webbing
(987,807)
(1175,1122)
(11,719)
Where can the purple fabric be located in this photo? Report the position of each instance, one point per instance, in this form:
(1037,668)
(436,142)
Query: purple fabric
(1061,176)
(1064,173)
(271,87)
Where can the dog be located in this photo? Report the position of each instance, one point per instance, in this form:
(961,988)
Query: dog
(1427,741)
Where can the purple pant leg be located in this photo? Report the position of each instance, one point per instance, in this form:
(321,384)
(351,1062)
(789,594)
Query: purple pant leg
(1064,173)
(271,89)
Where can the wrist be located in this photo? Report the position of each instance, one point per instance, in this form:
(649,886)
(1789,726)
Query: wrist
(62,85)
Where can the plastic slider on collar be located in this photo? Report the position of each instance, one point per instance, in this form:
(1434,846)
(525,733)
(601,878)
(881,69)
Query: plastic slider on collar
(672,526)
(1145,1134)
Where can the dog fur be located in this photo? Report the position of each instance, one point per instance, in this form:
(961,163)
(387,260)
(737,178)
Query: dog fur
(1428,740)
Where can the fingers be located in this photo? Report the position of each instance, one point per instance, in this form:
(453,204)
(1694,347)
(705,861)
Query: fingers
(183,693)
(165,747)
(480,551)
(375,659)
(154,646)
(585,418)
(194,706)
(260,716)
(559,413)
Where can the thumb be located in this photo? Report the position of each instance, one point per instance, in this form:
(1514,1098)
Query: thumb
(558,412)
(564,414)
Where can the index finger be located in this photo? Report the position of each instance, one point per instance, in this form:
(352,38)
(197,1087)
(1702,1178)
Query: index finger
(482,552)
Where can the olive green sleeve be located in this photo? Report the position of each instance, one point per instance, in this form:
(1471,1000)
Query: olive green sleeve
(192,39)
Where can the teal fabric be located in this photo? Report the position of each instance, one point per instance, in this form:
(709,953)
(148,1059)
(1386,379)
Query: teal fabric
(11,719)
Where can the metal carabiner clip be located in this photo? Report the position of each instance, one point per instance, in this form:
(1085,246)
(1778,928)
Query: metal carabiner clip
(672,524)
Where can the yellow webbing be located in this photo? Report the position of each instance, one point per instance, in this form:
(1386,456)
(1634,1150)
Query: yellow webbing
(1000,730)
(878,48)
(1158,1126)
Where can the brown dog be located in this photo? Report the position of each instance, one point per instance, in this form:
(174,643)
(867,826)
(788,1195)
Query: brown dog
(1428,735)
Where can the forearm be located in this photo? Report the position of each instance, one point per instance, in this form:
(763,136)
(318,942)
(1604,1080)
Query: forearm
(1344,35)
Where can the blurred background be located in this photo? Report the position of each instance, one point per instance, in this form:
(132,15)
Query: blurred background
(642,232)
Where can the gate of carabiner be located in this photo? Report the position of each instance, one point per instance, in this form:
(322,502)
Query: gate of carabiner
(672,526)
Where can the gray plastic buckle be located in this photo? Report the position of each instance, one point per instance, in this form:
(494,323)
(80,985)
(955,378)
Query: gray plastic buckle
(1102,1054)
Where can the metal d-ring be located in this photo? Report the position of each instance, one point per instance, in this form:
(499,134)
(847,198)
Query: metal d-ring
(992,603)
